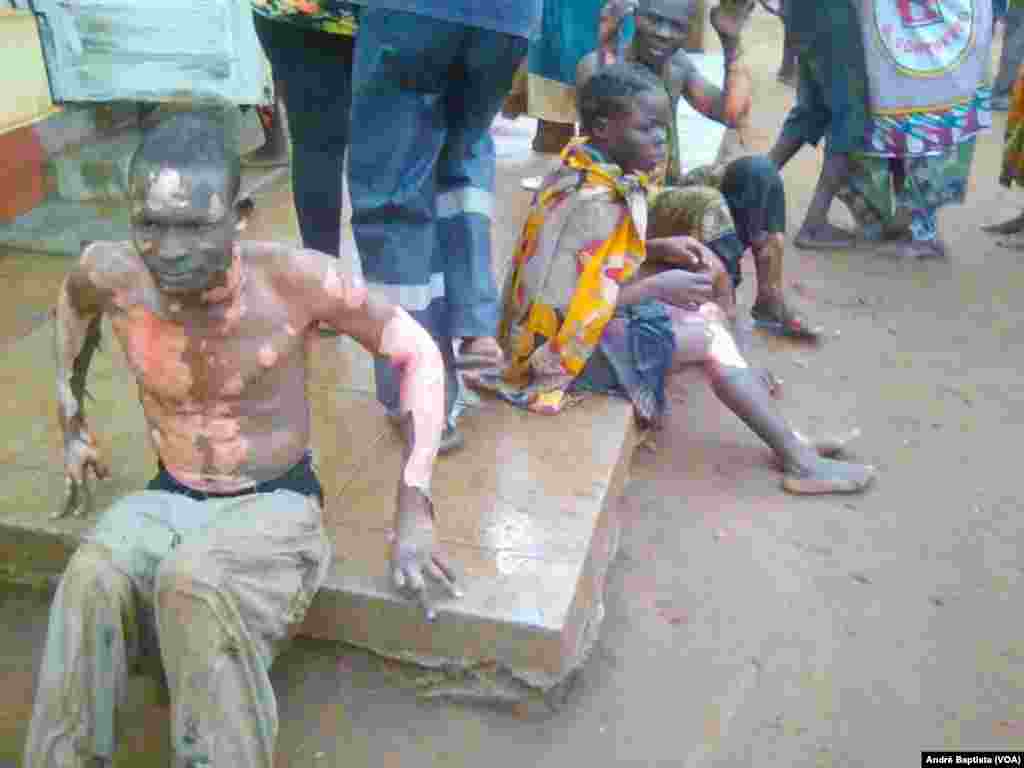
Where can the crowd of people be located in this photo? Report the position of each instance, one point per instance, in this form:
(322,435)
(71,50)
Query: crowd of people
(625,273)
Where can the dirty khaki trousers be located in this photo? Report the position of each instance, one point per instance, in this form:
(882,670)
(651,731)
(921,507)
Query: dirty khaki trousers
(217,585)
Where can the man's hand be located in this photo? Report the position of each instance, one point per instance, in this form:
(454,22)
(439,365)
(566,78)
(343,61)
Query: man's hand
(729,18)
(613,14)
(415,553)
(81,457)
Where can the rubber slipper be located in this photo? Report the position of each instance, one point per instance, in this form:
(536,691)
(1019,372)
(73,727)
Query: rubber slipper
(470,361)
(793,328)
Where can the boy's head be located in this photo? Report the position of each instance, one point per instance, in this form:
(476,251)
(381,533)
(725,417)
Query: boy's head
(662,28)
(625,112)
(184,179)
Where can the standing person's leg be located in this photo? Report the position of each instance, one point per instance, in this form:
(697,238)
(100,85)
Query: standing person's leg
(274,151)
(810,119)
(465,189)
(787,69)
(1010,58)
(316,70)
(402,69)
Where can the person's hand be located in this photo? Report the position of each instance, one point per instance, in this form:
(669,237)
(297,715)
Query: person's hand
(81,458)
(613,14)
(729,17)
(682,288)
(415,552)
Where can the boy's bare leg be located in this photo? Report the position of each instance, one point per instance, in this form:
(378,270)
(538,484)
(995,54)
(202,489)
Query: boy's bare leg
(702,337)
(816,231)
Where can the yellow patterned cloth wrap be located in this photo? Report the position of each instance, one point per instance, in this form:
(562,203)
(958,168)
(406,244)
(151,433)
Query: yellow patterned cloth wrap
(332,16)
(1013,148)
(557,302)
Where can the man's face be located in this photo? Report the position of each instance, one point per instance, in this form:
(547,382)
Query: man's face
(183,225)
(662,28)
(636,140)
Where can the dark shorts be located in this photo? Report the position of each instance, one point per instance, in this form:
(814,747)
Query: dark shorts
(831,103)
(633,359)
(301,478)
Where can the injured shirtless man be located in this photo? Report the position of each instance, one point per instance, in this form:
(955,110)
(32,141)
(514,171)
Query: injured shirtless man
(218,559)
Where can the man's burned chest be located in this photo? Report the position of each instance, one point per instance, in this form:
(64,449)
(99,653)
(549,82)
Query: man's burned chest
(240,358)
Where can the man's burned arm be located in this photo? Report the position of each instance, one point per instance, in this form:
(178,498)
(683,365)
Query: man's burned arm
(77,336)
(421,393)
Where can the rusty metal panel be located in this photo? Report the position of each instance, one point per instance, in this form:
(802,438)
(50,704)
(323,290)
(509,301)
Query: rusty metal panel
(157,50)
(24,98)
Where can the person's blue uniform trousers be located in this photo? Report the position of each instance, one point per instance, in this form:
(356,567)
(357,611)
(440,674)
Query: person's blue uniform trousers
(422,161)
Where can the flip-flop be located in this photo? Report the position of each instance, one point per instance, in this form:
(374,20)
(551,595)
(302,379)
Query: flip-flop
(468,360)
(793,327)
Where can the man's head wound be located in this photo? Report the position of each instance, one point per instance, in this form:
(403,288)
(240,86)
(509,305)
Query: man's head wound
(200,143)
(679,10)
(612,91)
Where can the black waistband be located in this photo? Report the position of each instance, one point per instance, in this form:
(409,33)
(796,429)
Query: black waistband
(301,478)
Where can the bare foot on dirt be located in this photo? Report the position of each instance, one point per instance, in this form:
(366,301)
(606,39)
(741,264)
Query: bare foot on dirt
(828,476)
(828,446)
(831,446)
(825,237)
(1011,243)
(1009,227)
(915,249)
(266,157)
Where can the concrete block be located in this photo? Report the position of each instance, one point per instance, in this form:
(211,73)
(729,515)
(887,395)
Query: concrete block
(527,512)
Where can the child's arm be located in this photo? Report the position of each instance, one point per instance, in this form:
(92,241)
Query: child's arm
(729,105)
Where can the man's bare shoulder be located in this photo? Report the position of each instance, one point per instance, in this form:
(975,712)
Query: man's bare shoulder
(283,264)
(302,275)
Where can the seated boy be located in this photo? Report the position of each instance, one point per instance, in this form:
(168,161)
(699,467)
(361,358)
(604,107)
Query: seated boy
(734,205)
(577,316)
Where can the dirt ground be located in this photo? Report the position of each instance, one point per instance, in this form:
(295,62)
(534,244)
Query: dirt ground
(743,626)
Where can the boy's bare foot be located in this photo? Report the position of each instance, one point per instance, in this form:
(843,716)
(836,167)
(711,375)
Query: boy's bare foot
(915,249)
(831,446)
(1008,227)
(826,237)
(828,476)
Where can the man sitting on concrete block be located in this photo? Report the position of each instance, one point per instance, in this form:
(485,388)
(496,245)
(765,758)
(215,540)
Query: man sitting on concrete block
(218,559)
